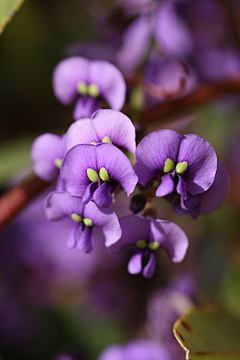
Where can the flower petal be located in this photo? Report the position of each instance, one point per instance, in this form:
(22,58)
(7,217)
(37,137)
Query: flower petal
(135,264)
(57,205)
(149,269)
(66,76)
(153,151)
(117,126)
(118,166)
(102,196)
(88,195)
(85,107)
(45,150)
(202,163)
(72,241)
(166,187)
(110,81)
(81,132)
(74,168)
(171,237)
(215,195)
(106,219)
(133,228)
(181,188)
(86,241)
(135,42)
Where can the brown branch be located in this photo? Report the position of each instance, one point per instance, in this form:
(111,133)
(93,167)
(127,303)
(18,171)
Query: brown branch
(19,196)
(186,104)
(15,199)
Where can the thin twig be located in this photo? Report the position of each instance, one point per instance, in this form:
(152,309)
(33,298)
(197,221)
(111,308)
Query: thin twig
(19,196)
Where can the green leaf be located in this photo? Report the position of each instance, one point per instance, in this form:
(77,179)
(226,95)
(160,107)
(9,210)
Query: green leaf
(209,333)
(8,8)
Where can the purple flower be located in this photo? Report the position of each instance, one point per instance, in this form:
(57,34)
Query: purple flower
(135,350)
(95,172)
(109,126)
(144,236)
(86,82)
(207,201)
(186,164)
(89,219)
(47,153)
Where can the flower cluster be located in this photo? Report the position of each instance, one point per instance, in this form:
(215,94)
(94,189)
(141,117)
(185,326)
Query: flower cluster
(91,162)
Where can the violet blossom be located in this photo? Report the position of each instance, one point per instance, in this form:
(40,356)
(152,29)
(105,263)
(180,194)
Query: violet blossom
(108,126)
(88,220)
(85,82)
(137,349)
(143,237)
(47,153)
(95,172)
(187,164)
(205,202)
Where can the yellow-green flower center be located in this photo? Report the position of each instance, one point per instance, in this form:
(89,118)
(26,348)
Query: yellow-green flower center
(168,166)
(58,162)
(141,244)
(76,217)
(82,88)
(107,140)
(104,174)
(85,89)
(87,222)
(181,167)
(93,90)
(154,245)
(92,175)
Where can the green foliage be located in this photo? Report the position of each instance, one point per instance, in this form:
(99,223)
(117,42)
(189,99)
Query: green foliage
(8,8)
(209,333)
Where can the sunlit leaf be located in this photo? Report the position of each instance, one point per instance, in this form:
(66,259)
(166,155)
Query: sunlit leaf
(209,333)
(8,8)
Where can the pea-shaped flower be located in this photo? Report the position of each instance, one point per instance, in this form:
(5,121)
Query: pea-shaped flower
(109,126)
(187,164)
(87,219)
(94,172)
(144,237)
(47,153)
(85,82)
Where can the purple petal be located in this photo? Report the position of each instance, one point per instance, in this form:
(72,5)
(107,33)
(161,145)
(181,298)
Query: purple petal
(117,126)
(153,151)
(135,42)
(110,81)
(86,241)
(149,269)
(57,205)
(72,241)
(45,150)
(181,188)
(81,132)
(118,166)
(106,219)
(88,195)
(102,196)
(202,163)
(171,237)
(135,264)
(170,32)
(66,76)
(74,168)
(166,187)
(215,195)
(84,107)
(133,228)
